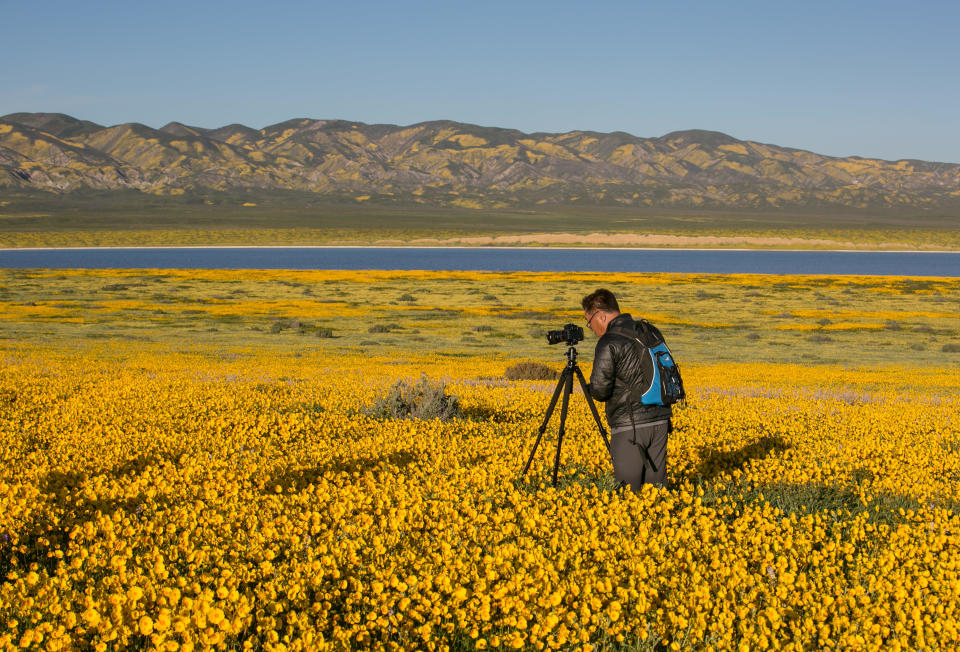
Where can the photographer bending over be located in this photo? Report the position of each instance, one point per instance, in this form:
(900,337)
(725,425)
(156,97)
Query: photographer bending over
(638,432)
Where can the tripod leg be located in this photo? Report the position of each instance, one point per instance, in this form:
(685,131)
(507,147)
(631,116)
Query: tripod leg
(561,383)
(567,390)
(593,407)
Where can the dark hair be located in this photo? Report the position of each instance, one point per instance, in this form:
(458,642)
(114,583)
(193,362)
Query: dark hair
(600,300)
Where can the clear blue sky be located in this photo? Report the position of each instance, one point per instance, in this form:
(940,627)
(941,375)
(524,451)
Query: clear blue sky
(869,78)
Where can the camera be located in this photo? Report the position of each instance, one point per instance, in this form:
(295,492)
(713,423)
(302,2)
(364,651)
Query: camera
(571,334)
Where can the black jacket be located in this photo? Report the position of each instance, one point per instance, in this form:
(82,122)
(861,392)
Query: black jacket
(617,367)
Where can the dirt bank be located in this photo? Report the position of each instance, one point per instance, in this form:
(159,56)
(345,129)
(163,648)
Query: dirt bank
(652,240)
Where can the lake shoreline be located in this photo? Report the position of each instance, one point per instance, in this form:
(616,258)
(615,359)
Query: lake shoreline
(483,248)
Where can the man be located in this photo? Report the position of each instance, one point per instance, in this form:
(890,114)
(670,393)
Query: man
(638,433)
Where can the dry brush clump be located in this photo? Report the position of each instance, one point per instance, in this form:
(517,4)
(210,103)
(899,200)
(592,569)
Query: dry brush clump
(530,371)
(285,324)
(423,399)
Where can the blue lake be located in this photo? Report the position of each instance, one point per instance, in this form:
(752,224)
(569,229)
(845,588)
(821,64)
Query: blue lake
(712,261)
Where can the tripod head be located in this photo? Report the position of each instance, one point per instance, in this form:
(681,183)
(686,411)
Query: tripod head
(572,357)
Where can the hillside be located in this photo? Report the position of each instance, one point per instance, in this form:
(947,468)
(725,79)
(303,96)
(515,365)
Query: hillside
(452,164)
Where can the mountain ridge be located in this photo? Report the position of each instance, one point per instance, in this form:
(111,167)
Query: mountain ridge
(447,162)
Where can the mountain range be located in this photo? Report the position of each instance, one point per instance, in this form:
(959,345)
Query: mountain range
(450,163)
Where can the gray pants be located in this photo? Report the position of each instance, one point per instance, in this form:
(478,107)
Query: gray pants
(640,456)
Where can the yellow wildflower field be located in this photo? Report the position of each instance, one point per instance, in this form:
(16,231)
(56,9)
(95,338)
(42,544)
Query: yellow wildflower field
(174,487)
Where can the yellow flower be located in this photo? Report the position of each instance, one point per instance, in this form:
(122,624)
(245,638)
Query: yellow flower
(91,618)
(145,625)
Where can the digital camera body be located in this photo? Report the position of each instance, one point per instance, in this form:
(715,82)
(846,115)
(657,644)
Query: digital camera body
(571,334)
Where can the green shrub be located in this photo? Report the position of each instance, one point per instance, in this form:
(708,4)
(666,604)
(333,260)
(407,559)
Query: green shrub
(379,328)
(407,297)
(530,371)
(952,347)
(421,400)
(482,329)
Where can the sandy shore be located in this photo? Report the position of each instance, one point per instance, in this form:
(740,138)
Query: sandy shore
(567,240)
(651,240)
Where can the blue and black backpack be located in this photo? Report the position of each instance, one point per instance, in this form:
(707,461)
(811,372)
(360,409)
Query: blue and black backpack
(666,386)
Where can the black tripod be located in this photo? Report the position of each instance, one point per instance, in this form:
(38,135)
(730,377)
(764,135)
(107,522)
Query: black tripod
(566,384)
